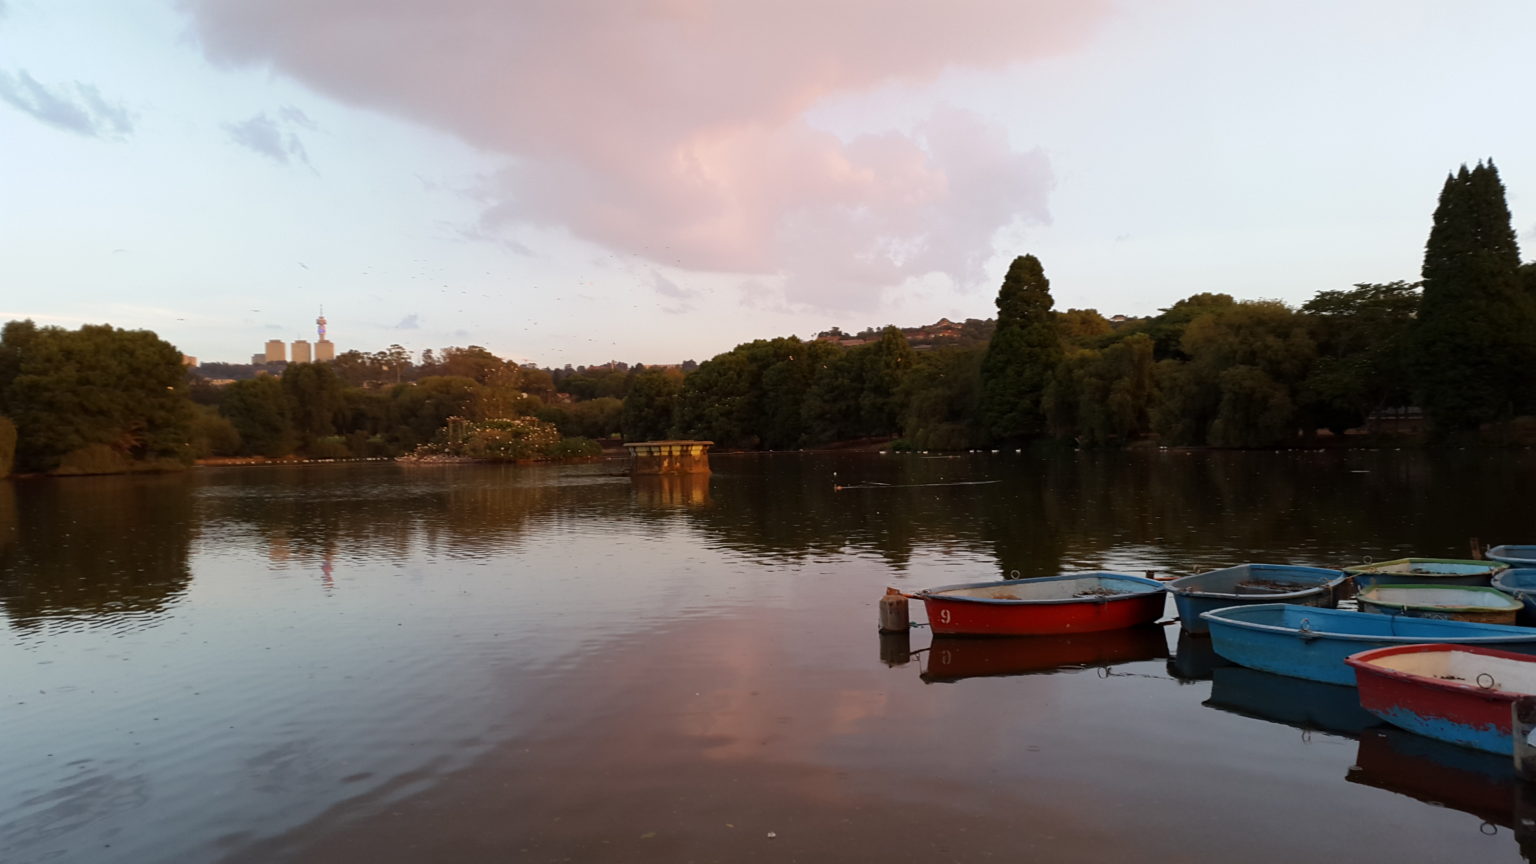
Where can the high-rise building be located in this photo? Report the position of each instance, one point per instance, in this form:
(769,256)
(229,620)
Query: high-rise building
(301,351)
(258,359)
(277,352)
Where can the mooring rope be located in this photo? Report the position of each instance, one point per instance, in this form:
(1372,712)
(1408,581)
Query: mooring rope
(873,485)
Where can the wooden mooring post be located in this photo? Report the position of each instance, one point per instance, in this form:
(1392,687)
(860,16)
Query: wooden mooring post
(1522,723)
(893,612)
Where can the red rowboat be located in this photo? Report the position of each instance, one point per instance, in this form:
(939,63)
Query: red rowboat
(1075,603)
(1456,693)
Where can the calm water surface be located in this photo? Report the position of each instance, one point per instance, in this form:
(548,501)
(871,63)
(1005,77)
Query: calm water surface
(373,662)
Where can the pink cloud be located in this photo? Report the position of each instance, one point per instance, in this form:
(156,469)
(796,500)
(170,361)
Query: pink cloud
(675,129)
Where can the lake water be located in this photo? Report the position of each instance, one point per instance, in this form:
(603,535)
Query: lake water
(374,662)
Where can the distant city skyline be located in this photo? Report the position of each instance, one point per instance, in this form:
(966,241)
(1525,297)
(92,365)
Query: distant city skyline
(517,176)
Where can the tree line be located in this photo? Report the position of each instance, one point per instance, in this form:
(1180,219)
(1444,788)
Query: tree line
(1460,346)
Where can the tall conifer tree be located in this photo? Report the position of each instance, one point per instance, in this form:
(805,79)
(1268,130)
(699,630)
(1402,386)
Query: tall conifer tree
(1475,337)
(1023,353)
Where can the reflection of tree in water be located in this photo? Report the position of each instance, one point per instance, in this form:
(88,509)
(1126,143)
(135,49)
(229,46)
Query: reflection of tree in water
(93,546)
(323,517)
(1128,510)
(1204,508)
(788,508)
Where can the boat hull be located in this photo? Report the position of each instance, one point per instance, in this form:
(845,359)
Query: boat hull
(1303,642)
(1446,710)
(1520,584)
(1514,556)
(1443,602)
(1134,601)
(1196,595)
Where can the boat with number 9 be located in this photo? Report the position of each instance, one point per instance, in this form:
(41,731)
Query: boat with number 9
(1072,603)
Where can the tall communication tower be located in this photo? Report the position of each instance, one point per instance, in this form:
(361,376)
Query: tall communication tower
(325,350)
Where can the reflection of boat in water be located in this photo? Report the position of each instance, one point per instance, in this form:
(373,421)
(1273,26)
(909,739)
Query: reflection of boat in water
(1482,784)
(952,658)
(1292,701)
(1194,658)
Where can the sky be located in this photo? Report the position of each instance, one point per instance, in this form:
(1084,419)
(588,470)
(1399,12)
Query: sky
(652,181)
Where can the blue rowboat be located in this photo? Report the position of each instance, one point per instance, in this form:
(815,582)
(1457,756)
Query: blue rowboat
(1520,583)
(1447,602)
(1311,643)
(1247,584)
(1514,556)
(1425,571)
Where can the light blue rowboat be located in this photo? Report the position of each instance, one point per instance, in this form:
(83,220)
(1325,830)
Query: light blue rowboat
(1514,556)
(1520,583)
(1425,571)
(1311,643)
(1248,584)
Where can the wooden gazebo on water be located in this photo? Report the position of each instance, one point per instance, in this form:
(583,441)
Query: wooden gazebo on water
(669,457)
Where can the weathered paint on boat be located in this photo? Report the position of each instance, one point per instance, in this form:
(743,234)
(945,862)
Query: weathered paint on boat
(1303,704)
(953,658)
(1520,583)
(1454,693)
(1446,602)
(1311,643)
(1074,603)
(1514,556)
(1252,583)
(1424,571)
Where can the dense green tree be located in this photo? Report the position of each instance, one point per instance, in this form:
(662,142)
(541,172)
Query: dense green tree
(99,388)
(882,367)
(1363,353)
(315,401)
(830,409)
(651,404)
(1023,353)
(213,434)
(940,396)
(1082,326)
(1167,328)
(1270,347)
(422,408)
(259,411)
(1474,342)
(717,401)
(1104,396)
(7,446)
(591,418)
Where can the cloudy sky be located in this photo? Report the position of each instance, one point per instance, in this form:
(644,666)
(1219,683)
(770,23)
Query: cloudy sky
(575,181)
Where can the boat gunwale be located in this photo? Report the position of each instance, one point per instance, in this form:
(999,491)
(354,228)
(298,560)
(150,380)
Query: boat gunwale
(1514,604)
(1219,616)
(1364,660)
(1373,568)
(1154,587)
